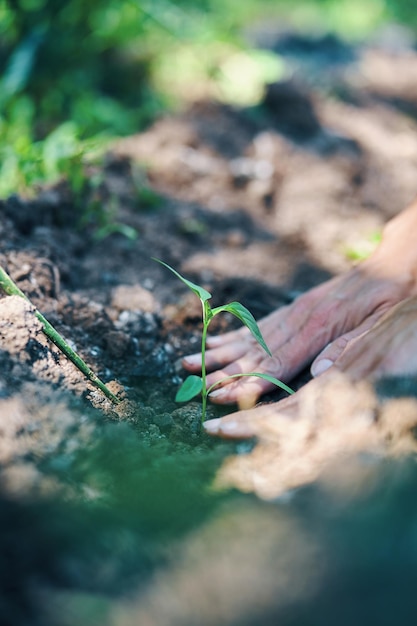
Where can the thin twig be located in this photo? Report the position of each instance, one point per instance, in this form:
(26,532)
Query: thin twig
(11,289)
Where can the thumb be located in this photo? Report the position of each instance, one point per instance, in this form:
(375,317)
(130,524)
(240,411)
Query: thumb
(331,353)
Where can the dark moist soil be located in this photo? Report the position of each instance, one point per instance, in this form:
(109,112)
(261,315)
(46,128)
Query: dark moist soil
(127,514)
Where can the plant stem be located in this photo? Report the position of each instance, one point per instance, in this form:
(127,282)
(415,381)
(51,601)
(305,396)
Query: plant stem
(11,289)
(203,362)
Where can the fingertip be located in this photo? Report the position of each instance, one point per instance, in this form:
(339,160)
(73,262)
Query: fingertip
(223,395)
(212,426)
(217,394)
(228,428)
(192,361)
(320,366)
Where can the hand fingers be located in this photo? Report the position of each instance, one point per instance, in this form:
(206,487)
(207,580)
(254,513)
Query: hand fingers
(295,334)
(245,424)
(335,349)
(213,341)
(217,357)
(388,348)
(230,427)
(245,392)
(225,349)
(294,350)
(247,389)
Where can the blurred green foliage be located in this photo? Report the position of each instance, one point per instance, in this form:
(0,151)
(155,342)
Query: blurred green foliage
(73,70)
(69,71)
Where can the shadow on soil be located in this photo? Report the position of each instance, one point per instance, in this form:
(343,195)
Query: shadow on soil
(97,513)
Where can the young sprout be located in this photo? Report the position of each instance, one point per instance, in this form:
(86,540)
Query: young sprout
(11,289)
(197,385)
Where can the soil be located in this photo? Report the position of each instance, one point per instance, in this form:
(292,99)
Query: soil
(127,514)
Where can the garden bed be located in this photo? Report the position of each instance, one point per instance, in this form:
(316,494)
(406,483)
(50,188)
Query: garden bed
(128,514)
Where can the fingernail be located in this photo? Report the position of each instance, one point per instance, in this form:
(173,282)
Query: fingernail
(193,359)
(320,366)
(217,393)
(212,426)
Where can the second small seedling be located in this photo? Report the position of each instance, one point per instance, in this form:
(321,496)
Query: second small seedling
(197,385)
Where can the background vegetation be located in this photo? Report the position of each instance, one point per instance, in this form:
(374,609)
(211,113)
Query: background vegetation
(74,73)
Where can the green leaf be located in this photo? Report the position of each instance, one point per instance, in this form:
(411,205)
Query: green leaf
(274,381)
(190,388)
(271,379)
(246,317)
(203,294)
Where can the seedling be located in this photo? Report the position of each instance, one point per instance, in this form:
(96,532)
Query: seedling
(197,385)
(11,289)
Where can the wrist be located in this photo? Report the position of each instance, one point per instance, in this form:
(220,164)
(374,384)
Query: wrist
(396,256)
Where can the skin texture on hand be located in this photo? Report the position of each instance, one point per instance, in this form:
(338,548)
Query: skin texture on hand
(297,333)
(388,348)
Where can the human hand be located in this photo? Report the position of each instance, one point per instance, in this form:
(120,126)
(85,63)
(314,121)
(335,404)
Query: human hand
(295,334)
(388,348)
